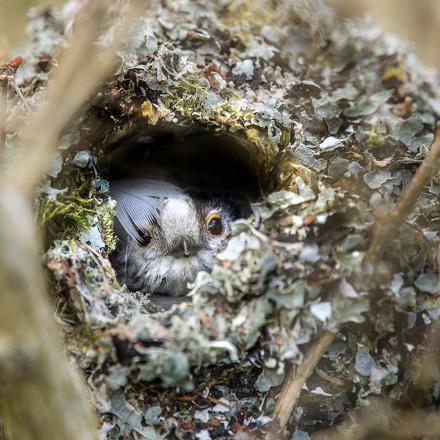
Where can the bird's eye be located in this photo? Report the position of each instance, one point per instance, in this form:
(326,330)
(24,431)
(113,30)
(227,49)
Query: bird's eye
(215,224)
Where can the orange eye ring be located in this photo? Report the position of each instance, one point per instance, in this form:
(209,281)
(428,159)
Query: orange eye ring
(214,224)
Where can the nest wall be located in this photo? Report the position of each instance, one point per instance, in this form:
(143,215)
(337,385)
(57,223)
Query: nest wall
(329,121)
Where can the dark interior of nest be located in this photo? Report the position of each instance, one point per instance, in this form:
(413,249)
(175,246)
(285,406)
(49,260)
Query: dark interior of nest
(207,160)
(220,164)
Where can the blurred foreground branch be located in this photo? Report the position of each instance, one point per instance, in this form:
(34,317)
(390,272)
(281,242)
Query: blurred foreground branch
(382,420)
(3,101)
(388,225)
(82,68)
(42,396)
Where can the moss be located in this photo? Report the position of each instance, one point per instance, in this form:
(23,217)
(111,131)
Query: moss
(249,16)
(189,98)
(394,72)
(69,213)
(289,170)
(150,112)
(90,344)
(106,216)
(376,139)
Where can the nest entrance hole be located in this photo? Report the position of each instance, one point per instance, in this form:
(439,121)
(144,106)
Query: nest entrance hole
(210,161)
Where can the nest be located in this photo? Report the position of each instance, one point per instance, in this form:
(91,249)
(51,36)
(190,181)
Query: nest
(323,123)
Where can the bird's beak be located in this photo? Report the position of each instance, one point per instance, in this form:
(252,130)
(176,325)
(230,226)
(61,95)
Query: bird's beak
(185,248)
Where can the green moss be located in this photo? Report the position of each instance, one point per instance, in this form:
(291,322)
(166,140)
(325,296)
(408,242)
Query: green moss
(289,170)
(248,17)
(376,139)
(106,215)
(87,339)
(69,212)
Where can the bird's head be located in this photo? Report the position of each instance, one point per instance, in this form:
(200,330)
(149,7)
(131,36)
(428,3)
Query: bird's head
(167,235)
(187,226)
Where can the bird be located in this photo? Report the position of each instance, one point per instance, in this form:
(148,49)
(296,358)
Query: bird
(168,233)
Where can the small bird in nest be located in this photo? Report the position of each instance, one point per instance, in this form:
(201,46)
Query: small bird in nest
(168,234)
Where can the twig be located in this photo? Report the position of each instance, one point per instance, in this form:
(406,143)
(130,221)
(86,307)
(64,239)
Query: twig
(438,263)
(328,378)
(7,75)
(41,393)
(81,70)
(388,225)
(382,420)
(20,95)
(3,111)
(297,377)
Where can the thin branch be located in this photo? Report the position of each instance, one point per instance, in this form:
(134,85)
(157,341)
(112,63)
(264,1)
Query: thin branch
(3,111)
(20,95)
(382,420)
(7,74)
(41,394)
(82,68)
(297,377)
(388,225)
(438,263)
(332,379)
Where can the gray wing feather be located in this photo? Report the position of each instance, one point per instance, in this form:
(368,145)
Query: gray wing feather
(139,202)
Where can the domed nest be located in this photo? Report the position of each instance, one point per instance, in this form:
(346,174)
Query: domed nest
(317,122)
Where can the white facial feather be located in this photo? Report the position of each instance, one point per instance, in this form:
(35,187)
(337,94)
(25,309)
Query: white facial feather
(179,218)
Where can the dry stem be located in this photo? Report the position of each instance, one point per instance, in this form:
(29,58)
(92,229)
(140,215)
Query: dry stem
(383,421)
(388,226)
(41,395)
(81,70)
(3,111)
(74,82)
(297,377)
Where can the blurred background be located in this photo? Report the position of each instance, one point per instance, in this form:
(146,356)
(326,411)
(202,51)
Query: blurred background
(13,22)
(417,21)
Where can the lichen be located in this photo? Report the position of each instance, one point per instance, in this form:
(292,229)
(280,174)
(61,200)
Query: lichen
(337,129)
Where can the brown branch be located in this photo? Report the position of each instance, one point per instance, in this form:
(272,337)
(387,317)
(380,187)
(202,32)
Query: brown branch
(83,67)
(297,377)
(7,74)
(41,394)
(438,263)
(384,421)
(65,99)
(388,225)
(3,112)
(334,380)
